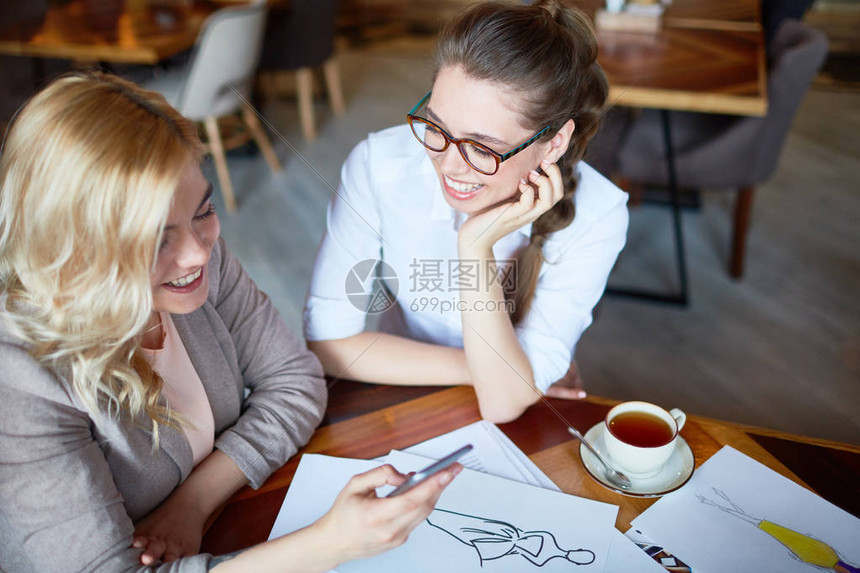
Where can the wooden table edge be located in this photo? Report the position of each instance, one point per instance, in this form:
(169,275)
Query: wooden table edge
(83,53)
(760,431)
(688,101)
(710,24)
(750,428)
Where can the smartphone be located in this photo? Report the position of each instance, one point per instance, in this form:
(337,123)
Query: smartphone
(429,471)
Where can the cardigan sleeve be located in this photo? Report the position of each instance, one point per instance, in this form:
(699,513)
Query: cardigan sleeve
(287,392)
(60,509)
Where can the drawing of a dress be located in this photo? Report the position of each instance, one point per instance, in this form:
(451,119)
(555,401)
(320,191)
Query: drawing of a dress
(494,539)
(802,547)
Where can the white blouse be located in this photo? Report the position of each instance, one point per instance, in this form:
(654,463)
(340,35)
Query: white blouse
(389,206)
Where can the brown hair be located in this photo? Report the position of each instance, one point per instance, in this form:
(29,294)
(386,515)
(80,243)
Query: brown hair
(547,53)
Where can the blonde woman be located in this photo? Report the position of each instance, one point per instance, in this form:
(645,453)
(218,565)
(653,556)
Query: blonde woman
(144,377)
(500,238)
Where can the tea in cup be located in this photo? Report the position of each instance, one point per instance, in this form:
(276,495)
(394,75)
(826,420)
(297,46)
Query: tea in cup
(640,436)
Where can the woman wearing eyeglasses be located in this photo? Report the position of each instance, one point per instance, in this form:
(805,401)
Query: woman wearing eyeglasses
(496,238)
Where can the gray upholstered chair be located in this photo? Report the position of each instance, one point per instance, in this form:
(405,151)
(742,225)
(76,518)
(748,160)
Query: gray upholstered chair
(721,151)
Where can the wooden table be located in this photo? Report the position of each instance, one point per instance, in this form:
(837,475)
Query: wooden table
(708,56)
(119,31)
(366,421)
(686,69)
(707,14)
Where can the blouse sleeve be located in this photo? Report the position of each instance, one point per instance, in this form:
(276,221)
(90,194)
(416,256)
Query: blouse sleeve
(59,508)
(287,392)
(569,287)
(353,234)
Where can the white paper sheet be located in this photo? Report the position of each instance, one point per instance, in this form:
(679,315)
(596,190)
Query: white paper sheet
(714,522)
(574,523)
(494,453)
(499,456)
(486,455)
(314,488)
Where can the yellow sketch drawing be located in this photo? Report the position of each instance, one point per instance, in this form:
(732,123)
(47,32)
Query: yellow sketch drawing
(803,547)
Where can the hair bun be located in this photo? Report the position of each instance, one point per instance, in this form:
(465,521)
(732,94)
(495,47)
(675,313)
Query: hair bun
(573,21)
(554,7)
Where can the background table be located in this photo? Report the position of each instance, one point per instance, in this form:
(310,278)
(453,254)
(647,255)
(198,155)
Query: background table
(366,421)
(119,31)
(722,15)
(685,69)
(708,56)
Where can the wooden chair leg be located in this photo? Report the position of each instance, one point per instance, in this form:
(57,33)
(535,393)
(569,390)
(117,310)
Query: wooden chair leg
(743,212)
(333,86)
(305,84)
(260,137)
(217,150)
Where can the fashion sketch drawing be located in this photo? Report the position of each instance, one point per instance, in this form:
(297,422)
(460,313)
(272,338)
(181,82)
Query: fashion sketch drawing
(802,547)
(493,539)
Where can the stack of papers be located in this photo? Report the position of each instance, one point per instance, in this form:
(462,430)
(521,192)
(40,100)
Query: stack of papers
(494,453)
(500,514)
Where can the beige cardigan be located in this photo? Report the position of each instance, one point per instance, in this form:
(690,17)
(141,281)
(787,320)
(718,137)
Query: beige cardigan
(71,486)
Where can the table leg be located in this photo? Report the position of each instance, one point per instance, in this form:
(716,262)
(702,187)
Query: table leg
(682,297)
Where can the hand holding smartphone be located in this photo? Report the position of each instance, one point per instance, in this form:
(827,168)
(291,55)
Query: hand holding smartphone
(428,472)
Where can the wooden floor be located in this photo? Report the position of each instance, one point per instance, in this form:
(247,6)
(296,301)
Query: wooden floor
(780,349)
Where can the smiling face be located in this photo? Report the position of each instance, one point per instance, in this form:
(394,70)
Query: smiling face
(180,281)
(483,111)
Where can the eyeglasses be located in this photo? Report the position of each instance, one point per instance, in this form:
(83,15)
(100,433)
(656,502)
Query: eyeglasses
(479,157)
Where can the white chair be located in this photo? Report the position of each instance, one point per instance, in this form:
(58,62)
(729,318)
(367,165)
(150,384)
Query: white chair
(217,82)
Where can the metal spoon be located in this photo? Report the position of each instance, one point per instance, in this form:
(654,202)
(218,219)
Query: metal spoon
(617,478)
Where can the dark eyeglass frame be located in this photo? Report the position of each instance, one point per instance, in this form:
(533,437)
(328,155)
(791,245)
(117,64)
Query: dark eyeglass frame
(449,139)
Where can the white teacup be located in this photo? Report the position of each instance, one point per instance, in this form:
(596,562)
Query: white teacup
(640,436)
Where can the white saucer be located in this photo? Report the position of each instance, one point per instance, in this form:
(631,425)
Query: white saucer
(674,474)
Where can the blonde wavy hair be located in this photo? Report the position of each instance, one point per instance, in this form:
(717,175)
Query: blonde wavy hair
(87,176)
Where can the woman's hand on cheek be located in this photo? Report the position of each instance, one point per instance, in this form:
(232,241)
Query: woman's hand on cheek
(169,532)
(537,195)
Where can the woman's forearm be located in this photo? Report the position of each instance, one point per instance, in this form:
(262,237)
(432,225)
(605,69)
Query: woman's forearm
(389,359)
(303,551)
(492,359)
(175,527)
(210,484)
(500,370)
